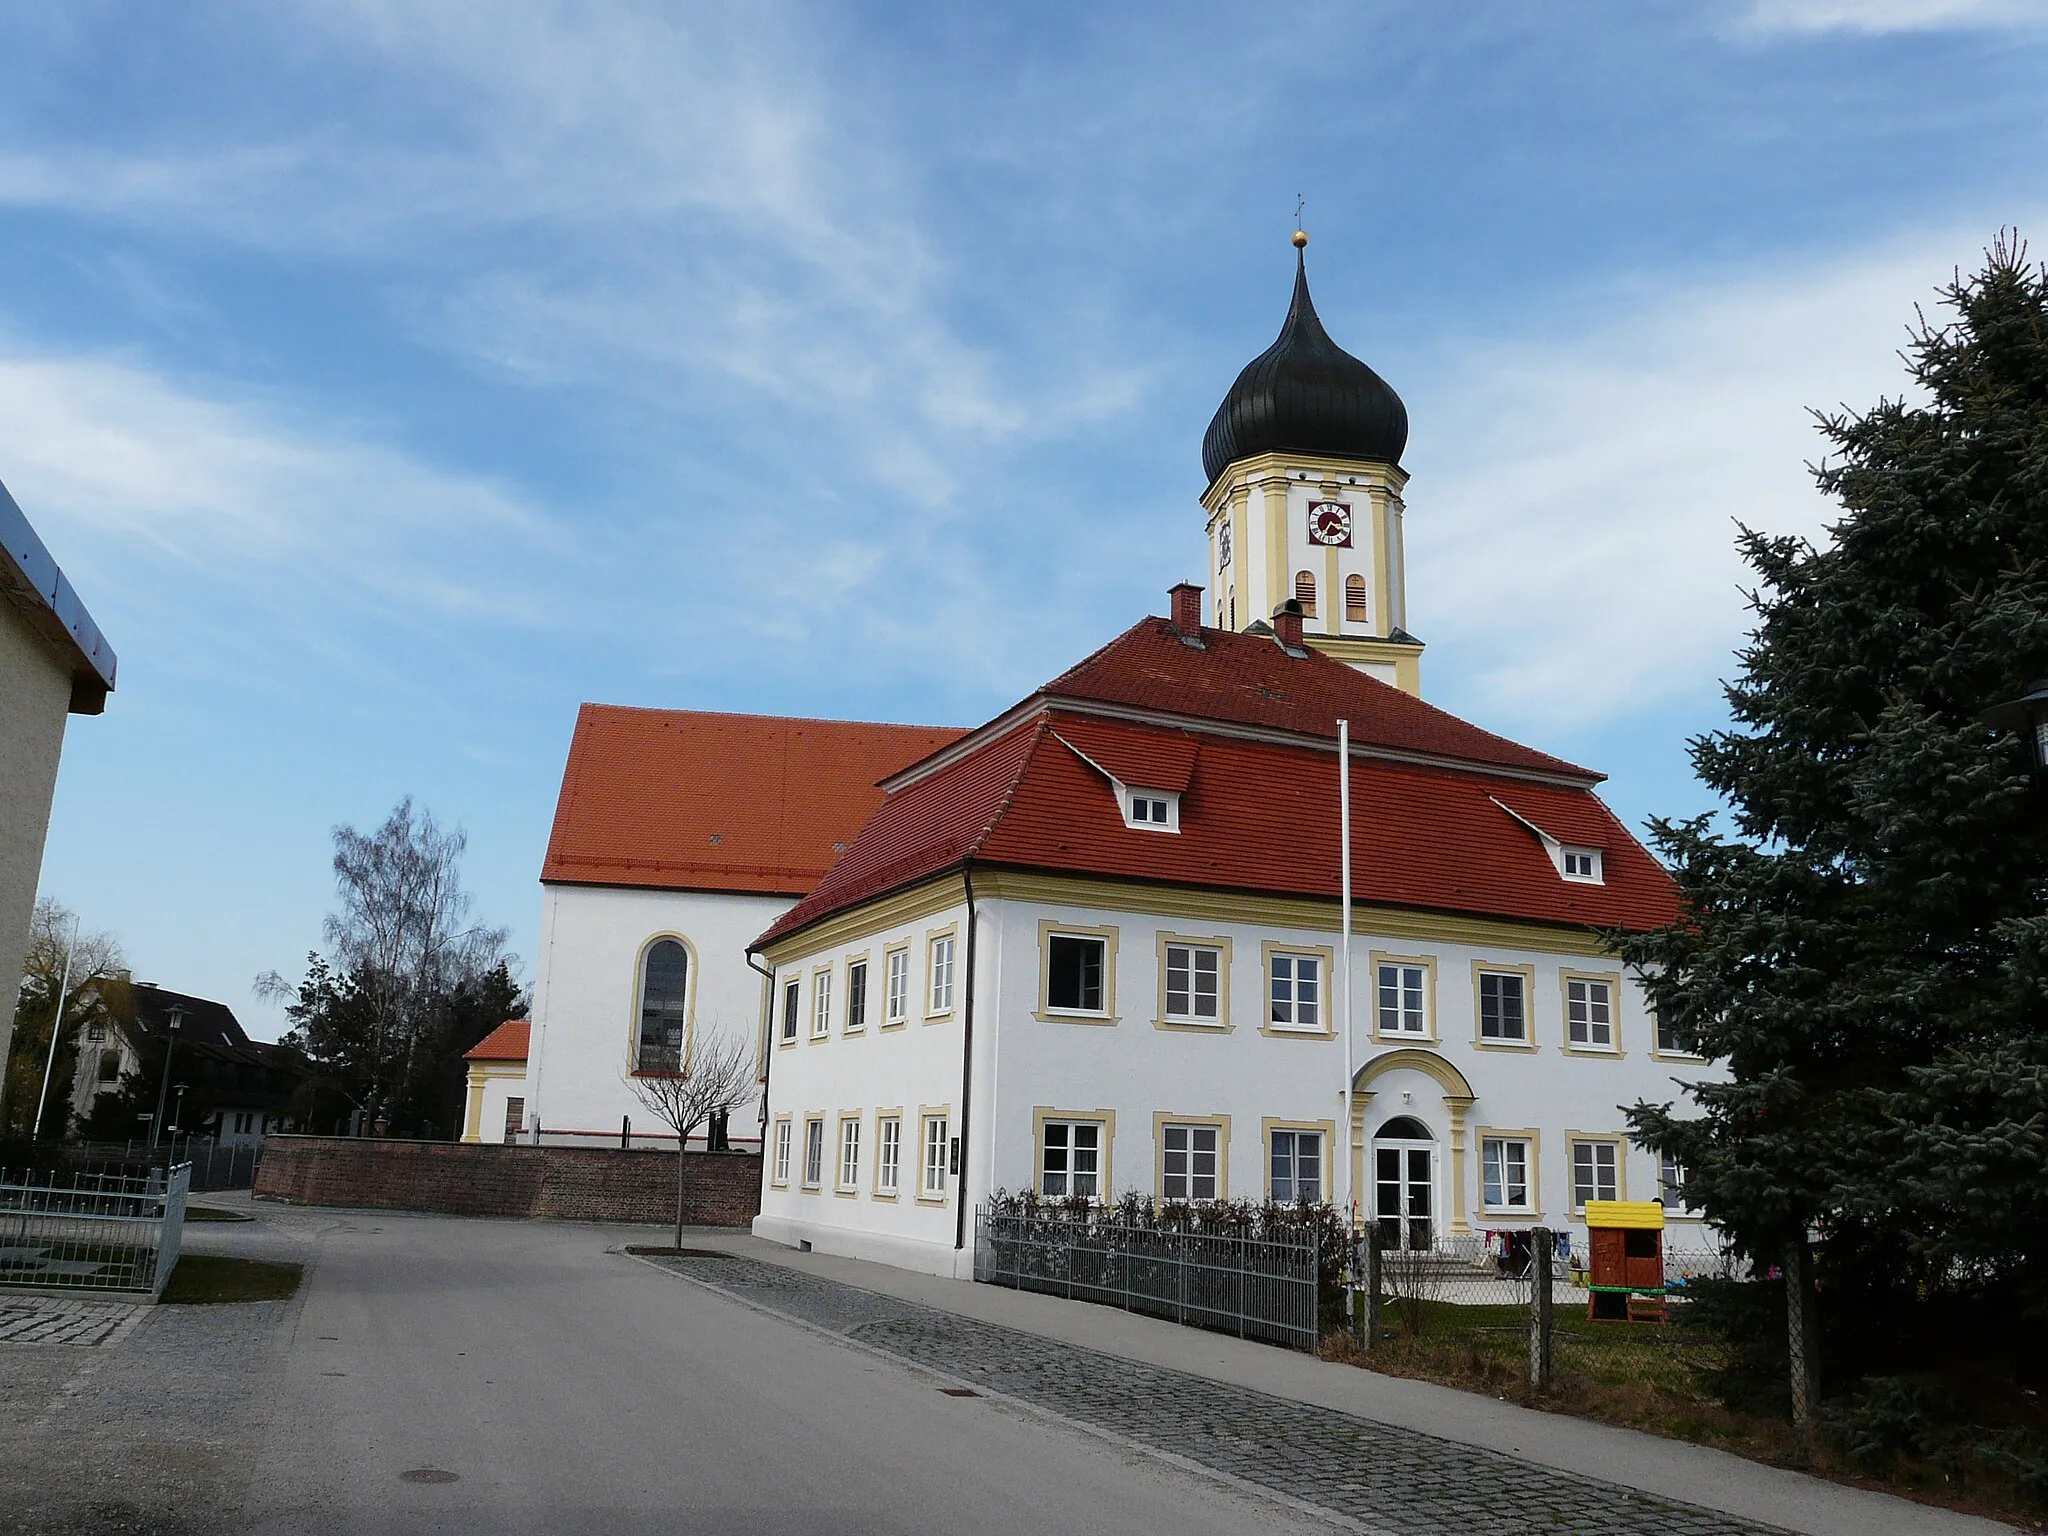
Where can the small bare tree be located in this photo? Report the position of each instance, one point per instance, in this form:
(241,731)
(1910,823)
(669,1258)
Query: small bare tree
(716,1078)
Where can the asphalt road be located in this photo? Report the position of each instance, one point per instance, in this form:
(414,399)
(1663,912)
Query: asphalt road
(471,1376)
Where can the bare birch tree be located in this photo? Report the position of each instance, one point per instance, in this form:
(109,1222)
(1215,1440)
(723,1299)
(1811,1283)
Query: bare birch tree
(717,1078)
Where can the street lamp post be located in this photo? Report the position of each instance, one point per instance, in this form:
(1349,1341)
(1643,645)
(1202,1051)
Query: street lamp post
(175,1020)
(178,1115)
(2028,712)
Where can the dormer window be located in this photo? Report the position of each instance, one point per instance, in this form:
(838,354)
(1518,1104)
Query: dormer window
(1581,864)
(1156,810)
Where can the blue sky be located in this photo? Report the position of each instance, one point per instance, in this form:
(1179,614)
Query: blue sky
(391,377)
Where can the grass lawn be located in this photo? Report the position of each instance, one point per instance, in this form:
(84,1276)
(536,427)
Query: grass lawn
(204,1278)
(211,1213)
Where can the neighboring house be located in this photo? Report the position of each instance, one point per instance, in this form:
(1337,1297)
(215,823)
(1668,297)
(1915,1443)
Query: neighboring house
(237,1089)
(678,836)
(54,662)
(494,1108)
(1094,946)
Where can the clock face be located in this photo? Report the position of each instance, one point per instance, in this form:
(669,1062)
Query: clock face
(1223,544)
(1329,522)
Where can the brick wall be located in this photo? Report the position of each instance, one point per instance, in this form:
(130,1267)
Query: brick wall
(485,1179)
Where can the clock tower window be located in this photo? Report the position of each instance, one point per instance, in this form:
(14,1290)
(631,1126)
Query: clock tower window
(1354,599)
(1305,593)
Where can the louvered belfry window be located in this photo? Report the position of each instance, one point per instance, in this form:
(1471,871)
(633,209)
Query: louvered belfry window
(1305,593)
(1354,599)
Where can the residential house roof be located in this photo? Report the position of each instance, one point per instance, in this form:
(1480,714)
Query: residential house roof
(29,577)
(676,799)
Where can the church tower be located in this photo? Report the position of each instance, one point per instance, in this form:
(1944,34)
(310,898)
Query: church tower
(1304,498)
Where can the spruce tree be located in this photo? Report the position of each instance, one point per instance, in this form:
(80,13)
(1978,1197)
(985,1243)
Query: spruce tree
(1865,933)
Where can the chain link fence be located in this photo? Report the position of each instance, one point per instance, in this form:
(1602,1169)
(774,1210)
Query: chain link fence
(92,1231)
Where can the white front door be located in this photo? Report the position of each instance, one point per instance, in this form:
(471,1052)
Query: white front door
(1404,1193)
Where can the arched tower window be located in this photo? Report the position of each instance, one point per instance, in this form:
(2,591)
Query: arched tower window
(1354,599)
(1305,593)
(664,997)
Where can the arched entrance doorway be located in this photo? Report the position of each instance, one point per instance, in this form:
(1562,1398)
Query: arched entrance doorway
(1404,1185)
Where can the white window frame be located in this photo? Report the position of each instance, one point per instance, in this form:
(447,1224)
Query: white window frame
(1586,1170)
(792,1009)
(1150,810)
(856,996)
(1080,1009)
(1184,1163)
(1666,1045)
(1293,1003)
(1295,1136)
(1191,995)
(896,987)
(849,1154)
(888,1154)
(1496,1173)
(1584,1025)
(1402,971)
(939,952)
(814,1152)
(784,1135)
(1670,1184)
(821,1005)
(1064,1135)
(935,1160)
(1581,865)
(1521,981)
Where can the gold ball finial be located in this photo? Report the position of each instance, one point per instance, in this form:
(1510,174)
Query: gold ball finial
(1300,238)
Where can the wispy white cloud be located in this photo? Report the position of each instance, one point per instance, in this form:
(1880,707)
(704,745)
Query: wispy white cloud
(1768,17)
(1572,519)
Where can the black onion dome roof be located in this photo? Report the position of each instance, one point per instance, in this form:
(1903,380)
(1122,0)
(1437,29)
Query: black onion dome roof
(1306,394)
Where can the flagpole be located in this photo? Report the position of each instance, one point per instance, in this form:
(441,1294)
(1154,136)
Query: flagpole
(1344,959)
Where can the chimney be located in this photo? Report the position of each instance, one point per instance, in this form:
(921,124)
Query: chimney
(1287,624)
(1186,598)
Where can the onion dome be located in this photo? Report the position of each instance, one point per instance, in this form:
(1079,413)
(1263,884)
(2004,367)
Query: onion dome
(1306,394)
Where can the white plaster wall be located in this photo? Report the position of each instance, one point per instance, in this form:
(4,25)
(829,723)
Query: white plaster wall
(913,1070)
(500,1084)
(586,1000)
(35,697)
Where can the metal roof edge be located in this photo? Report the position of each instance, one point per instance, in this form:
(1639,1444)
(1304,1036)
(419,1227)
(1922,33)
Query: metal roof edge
(30,574)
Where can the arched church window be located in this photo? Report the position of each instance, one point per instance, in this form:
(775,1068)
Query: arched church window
(664,995)
(1354,599)
(1305,593)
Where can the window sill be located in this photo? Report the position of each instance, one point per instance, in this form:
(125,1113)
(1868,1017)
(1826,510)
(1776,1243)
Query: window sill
(1511,1212)
(943,1017)
(1605,1052)
(1297,1032)
(1053,1016)
(890,1195)
(672,1076)
(1683,1058)
(1393,1037)
(933,1200)
(1525,1046)
(1194,1026)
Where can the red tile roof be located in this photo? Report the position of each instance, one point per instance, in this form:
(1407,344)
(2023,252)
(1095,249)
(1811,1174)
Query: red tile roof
(676,799)
(505,1043)
(1257,814)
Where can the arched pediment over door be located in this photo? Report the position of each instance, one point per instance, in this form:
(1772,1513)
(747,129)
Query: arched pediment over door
(1457,1097)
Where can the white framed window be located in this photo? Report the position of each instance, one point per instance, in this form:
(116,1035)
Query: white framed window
(1582,864)
(1668,1043)
(1295,990)
(1402,999)
(1595,1172)
(1070,1159)
(1504,1007)
(849,1153)
(1154,810)
(782,1138)
(1074,973)
(896,988)
(792,1004)
(888,1154)
(1189,1159)
(942,974)
(933,1186)
(1193,983)
(814,1153)
(1297,1167)
(821,1005)
(1504,1173)
(1589,1013)
(1671,1183)
(856,996)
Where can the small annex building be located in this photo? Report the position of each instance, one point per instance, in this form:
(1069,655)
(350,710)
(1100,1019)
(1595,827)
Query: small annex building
(678,836)
(1094,945)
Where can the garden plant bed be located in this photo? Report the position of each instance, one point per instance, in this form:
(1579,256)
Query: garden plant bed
(1641,1376)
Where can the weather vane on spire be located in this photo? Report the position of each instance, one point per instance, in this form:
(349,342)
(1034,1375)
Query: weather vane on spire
(1300,234)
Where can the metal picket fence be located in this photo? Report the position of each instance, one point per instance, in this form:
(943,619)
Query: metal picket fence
(1256,1288)
(214,1167)
(92,1231)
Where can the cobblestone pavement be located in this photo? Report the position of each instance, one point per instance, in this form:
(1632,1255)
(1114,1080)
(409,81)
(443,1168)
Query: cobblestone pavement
(67,1320)
(1379,1475)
